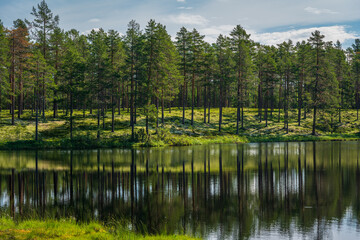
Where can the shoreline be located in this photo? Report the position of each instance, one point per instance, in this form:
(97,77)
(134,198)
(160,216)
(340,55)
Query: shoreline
(55,133)
(83,144)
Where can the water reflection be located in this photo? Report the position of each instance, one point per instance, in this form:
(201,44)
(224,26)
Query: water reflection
(268,190)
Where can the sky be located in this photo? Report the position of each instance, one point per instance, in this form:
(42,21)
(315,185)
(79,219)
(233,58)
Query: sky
(268,21)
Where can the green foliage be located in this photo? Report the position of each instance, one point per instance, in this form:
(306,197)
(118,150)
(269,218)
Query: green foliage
(102,71)
(69,229)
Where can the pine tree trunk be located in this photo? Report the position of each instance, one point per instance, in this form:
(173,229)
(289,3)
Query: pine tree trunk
(43,99)
(13,100)
(112,112)
(71,114)
(12,83)
(119,99)
(242,116)
(123,96)
(314,122)
(259,102)
(238,103)
(0,94)
(220,107)
(20,97)
(183,103)
(205,104)
(266,109)
(300,90)
(127,99)
(135,103)
(103,114)
(56,82)
(98,118)
(279,104)
(209,104)
(198,96)
(286,104)
(192,98)
(157,113)
(162,108)
(132,101)
(36,104)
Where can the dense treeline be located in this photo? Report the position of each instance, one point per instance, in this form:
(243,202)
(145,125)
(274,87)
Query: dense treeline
(43,67)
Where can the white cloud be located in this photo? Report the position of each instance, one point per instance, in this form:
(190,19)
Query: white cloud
(332,33)
(94,20)
(257,15)
(89,31)
(187,19)
(280,13)
(211,33)
(185,8)
(216,30)
(318,11)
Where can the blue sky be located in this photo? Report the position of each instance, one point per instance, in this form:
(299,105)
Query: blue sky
(268,21)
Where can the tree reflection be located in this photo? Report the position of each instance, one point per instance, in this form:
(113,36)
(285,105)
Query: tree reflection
(287,188)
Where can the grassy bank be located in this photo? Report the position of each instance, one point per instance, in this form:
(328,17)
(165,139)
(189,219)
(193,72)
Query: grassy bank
(54,132)
(69,229)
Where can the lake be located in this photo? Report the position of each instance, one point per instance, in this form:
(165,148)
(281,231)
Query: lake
(305,190)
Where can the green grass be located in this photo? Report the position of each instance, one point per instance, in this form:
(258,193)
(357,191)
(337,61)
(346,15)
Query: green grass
(54,133)
(69,229)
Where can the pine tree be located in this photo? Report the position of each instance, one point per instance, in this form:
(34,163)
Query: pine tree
(56,43)
(115,53)
(356,74)
(196,49)
(98,69)
(341,68)
(266,65)
(168,76)
(209,63)
(240,43)
(302,65)
(44,24)
(323,86)
(151,58)
(19,49)
(133,48)
(183,39)
(286,64)
(225,66)
(72,73)
(39,69)
(4,64)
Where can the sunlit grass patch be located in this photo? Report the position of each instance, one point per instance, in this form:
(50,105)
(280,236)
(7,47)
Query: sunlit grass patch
(55,132)
(69,229)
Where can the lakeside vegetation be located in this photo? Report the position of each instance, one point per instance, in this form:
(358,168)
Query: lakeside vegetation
(69,229)
(54,133)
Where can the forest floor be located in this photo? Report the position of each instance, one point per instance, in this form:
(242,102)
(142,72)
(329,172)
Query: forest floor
(55,132)
(69,229)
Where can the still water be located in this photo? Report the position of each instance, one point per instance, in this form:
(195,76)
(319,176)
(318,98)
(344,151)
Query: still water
(232,191)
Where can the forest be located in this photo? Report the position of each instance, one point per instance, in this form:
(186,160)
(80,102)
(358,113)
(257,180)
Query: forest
(151,83)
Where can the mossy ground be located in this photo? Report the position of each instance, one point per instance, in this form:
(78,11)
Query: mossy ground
(54,132)
(69,229)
